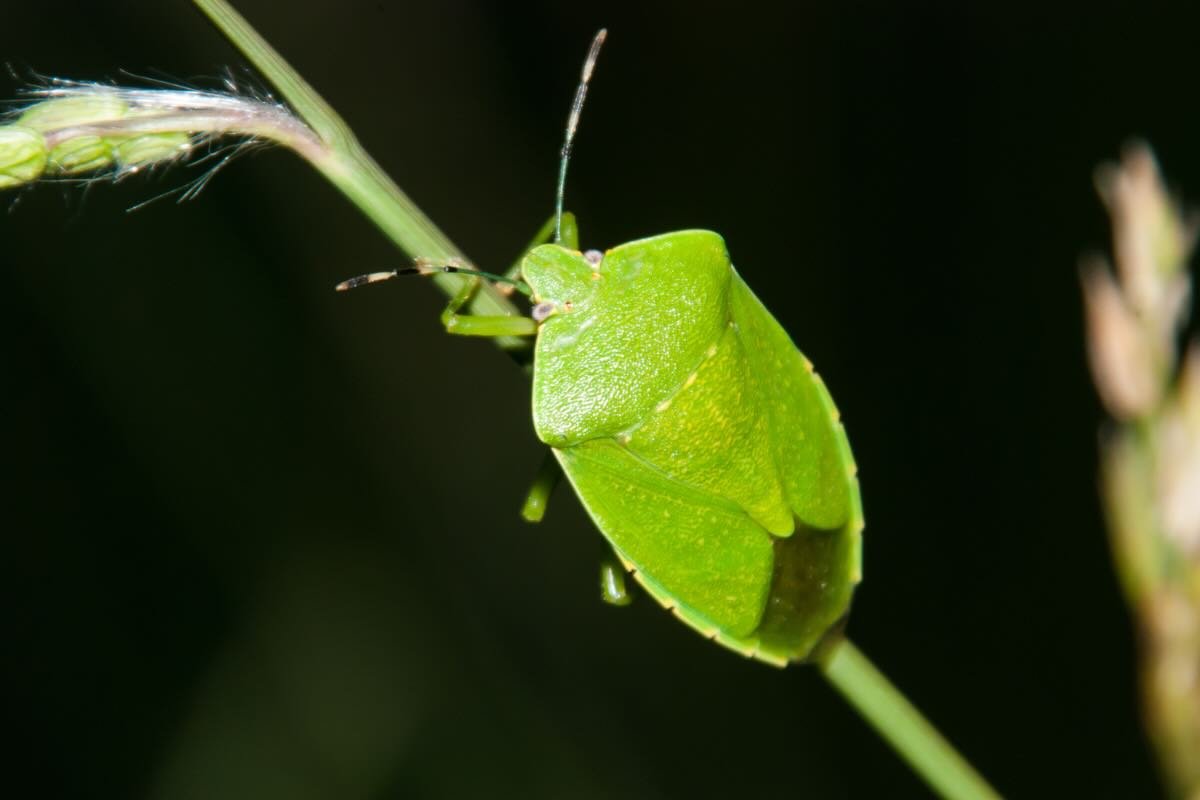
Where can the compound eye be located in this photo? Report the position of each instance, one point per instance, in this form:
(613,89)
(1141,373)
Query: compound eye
(542,310)
(593,258)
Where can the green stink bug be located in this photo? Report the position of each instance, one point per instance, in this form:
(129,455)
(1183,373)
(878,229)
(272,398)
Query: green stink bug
(699,439)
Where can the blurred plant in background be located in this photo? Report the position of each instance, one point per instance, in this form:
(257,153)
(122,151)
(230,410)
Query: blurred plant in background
(1150,462)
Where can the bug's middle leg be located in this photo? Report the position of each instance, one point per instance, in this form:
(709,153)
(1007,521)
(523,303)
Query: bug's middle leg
(548,476)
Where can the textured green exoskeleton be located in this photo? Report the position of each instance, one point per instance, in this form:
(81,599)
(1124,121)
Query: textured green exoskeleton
(699,439)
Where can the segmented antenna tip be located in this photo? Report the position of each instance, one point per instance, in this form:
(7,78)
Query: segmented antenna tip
(589,65)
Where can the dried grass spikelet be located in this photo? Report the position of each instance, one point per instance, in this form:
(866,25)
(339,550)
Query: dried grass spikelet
(1150,460)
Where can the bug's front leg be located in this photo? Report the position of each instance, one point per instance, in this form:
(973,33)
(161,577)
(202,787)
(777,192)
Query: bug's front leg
(570,239)
(496,326)
(476,325)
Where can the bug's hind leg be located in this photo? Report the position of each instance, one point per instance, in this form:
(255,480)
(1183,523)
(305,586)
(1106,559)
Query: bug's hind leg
(548,476)
(612,584)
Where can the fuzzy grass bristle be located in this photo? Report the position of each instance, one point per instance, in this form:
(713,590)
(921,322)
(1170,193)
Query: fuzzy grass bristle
(88,131)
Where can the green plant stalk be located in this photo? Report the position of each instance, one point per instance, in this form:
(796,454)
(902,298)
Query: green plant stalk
(352,170)
(903,726)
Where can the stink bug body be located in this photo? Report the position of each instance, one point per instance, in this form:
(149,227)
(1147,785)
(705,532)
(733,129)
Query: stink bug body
(699,439)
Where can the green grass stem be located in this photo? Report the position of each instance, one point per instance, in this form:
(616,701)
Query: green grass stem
(903,726)
(352,170)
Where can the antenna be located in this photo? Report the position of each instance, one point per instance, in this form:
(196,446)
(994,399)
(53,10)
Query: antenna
(424,266)
(572,124)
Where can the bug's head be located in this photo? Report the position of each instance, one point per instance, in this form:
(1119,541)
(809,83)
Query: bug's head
(563,281)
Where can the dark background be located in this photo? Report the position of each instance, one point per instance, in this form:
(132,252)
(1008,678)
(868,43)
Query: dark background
(262,541)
